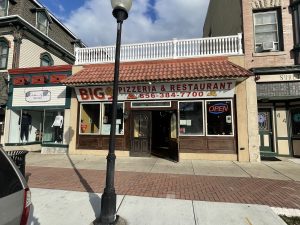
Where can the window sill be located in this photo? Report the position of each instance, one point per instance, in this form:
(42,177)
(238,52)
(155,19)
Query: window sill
(264,54)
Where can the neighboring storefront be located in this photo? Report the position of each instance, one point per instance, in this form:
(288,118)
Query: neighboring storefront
(278,112)
(38,109)
(187,110)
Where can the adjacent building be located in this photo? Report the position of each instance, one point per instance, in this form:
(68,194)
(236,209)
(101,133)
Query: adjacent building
(271,49)
(30,36)
(38,109)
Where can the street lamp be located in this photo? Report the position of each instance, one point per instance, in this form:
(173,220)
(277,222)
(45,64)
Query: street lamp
(108,199)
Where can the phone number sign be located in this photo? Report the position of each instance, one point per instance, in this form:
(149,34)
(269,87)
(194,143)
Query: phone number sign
(183,90)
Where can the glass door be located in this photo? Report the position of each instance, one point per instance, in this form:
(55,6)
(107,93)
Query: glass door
(265,130)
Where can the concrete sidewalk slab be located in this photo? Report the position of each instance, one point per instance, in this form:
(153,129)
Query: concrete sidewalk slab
(64,207)
(288,169)
(295,160)
(218,168)
(260,170)
(156,211)
(79,208)
(207,213)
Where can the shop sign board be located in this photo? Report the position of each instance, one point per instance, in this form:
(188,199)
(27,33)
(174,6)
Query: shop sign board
(39,96)
(161,91)
(279,77)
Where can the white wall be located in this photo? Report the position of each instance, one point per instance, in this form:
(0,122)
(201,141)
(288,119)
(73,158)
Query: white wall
(30,55)
(14,128)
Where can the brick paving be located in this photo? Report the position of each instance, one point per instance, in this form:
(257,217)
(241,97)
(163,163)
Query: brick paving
(275,193)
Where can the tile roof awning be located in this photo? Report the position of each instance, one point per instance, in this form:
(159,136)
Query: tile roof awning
(161,70)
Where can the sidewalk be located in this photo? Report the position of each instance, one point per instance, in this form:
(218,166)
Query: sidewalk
(286,169)
(156,191)
(72,208)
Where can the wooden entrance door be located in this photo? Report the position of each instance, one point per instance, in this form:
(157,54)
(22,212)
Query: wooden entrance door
(141,133)
(265,131)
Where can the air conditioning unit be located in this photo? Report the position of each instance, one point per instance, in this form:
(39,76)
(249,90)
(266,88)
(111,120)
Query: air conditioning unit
(268,46)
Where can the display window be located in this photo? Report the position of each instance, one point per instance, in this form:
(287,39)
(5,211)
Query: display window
(89,118)
(191,118)
(295,116)
(42,126)
(219,117)
(53,127)
(96,118)
(107,119)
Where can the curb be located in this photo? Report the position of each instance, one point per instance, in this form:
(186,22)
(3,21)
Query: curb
(286,211)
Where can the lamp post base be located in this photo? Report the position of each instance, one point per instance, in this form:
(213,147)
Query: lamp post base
(119,221)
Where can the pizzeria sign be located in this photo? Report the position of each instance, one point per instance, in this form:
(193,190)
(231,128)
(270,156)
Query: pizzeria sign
(182,90)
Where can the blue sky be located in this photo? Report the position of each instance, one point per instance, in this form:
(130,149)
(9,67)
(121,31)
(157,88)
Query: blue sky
(149,20)
(62,7)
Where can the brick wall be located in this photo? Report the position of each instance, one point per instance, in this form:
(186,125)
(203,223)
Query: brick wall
(267,59)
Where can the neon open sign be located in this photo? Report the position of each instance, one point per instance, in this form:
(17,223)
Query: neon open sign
(218,108)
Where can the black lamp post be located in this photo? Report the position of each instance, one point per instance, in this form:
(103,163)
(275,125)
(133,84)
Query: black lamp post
(108,199)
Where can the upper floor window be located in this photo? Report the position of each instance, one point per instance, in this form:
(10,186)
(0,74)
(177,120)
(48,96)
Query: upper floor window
(267,31)
(3,7)
(46,59)
(42,22)
(3,53)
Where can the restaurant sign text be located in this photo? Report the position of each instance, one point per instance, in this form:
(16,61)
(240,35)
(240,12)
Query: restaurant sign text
(182,90)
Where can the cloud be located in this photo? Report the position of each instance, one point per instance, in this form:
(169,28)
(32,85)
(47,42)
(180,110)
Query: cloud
(61,8)
(95,25)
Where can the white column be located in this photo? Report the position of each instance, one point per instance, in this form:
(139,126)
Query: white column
(240,46)
(175,48)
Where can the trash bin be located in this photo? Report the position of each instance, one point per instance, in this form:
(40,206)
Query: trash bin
(18,156)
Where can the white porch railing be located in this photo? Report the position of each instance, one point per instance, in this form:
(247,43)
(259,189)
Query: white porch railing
(187,48)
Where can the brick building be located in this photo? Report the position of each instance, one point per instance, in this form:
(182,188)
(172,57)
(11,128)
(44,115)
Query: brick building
(271,48)
(30,36)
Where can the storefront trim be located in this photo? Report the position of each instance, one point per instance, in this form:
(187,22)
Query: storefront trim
(54,145)
(168,105)
(22,144)
(38,107)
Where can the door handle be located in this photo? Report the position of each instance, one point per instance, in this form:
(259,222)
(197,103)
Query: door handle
(270,132)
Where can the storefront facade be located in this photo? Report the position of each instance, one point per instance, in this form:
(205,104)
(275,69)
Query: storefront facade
(161,118)
(279,113)
(37,116)
(177,118)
